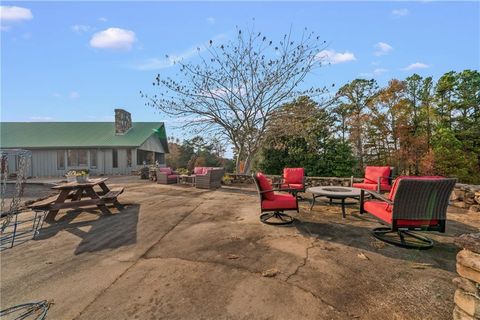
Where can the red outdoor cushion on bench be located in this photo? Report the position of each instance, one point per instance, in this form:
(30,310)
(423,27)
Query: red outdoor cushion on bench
(172,176)
(280,202)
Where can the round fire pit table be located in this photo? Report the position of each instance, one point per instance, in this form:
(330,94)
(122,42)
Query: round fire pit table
(331,192)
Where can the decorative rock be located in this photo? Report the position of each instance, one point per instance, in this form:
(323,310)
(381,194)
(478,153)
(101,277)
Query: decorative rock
(470,242)
(459,314)
(270,273)
(459,194)
(468,273)
(469,303)
(460,204)
(477,199)
(474,208)
(469,259)
(466,285)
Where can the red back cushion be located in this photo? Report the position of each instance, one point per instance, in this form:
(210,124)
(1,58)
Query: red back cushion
(264,184)
(166,170)
(199,170)
(293,175)
(391,195)
(372,174)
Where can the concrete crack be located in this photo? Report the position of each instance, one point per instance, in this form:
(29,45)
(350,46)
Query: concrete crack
(304,262)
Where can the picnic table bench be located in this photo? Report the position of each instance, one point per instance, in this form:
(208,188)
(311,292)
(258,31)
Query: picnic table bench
(74,192)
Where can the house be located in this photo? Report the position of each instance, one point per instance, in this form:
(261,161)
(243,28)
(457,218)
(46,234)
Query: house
(102,147)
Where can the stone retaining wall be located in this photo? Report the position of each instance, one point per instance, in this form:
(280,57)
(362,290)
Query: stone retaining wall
(467,295)
(464,196)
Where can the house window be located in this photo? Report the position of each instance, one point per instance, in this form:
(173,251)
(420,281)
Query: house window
(160,158)
(129,157)
(60,159)
(93,159)
(77,158)
(114,158)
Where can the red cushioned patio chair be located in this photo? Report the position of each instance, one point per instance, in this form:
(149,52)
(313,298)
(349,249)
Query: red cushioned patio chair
(376,179)
(414,204)
(166,176)
(293,180)
(272,203)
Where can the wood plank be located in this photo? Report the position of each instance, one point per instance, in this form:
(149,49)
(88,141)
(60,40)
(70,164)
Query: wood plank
(74,184)
(43,203)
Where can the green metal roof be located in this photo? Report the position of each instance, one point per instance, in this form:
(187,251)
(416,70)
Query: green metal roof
(77,134)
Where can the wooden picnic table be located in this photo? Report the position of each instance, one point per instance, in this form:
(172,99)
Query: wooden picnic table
(74,192)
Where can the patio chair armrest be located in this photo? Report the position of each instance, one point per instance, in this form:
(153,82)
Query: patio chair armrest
(271,190)
(379,196)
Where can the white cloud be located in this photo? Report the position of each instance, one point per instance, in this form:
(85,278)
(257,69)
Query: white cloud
(379,71)
(74,95)
(382,49)
(375,73)
(81,28)
(40,119)
(102,19)
(416,65)
(113,38)
(400,12)
(12,13)
(172,59)
(333,57)
(211,20)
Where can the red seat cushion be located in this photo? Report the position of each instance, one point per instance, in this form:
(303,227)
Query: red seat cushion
(280,202)
(373,173)
(293,175)
(295,186)
(371,186)
(264,185)
(172,176)
(382,211)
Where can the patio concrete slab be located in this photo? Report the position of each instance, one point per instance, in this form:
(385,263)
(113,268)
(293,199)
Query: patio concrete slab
(178,252)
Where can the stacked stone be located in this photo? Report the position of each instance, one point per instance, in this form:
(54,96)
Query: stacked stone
(466,196)
(467,295)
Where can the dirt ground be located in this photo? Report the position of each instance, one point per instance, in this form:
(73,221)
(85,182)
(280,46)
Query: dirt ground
(176,252)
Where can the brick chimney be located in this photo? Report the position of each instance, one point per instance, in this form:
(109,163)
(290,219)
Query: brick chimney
(123,121)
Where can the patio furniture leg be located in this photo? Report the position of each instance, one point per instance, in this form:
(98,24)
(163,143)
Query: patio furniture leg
(278,218)
(313,202)
(406,239)
(343,208)
(61,199)
(93,195)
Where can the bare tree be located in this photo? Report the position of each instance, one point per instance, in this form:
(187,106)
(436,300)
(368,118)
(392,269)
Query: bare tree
(233,88)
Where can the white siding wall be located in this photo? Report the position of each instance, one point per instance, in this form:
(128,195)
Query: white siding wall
(44,163)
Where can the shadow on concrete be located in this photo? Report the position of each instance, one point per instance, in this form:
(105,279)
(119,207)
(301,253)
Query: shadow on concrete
(442,255)
(106,232)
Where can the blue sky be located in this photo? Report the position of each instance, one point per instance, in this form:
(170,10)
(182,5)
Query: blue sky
(78,61)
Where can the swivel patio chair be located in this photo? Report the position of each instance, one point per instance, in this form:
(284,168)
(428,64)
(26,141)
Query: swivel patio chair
(376,179)
(272,203)
(293,180)
(414,204)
